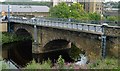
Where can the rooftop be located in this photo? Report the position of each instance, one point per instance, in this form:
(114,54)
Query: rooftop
(24,8)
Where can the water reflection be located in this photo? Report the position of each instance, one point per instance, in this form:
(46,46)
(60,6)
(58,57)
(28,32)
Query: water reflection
(21,53)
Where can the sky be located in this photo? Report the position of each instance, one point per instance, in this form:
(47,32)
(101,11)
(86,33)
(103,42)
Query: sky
(48,0)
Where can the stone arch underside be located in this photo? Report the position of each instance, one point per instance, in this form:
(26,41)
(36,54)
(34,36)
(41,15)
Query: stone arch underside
(22,50)
(88,42)
(24,27)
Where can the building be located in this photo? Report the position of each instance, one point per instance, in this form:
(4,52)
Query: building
(25,10)
(90,6)
(111,12)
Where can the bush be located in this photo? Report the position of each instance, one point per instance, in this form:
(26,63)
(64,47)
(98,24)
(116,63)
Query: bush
(60,62)
(33,65)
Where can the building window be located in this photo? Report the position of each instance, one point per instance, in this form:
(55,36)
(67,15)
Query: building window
(97,8)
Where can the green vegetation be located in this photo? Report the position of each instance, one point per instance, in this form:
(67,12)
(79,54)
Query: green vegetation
(60,11)
(60,62)
(10,37)
(108,63)
(112,18)
(119,5)
(4,65)
(74,11)
(74,52)
(94,16)
(43,65)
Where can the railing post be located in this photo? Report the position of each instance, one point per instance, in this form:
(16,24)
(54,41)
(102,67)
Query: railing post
(82,27)
(77,26)
(95,28)
(88,27)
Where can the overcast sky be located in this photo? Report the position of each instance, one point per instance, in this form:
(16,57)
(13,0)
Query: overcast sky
(49,0)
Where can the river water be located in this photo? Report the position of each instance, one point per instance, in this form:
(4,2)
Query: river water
(21,53)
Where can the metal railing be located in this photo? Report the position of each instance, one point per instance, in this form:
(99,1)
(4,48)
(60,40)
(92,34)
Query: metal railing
(15,64)
(60,24)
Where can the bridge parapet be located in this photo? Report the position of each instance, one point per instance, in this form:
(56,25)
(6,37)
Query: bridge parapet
(84,27)
(112,31)
(67,25)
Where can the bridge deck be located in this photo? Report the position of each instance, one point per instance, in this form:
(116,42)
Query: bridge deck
(66,25)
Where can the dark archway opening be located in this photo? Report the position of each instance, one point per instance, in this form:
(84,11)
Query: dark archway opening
(21,52)
(54,49)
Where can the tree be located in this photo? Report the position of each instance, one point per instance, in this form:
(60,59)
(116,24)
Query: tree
(112,18)
(60,11)
(94,16)
(77,11)
(119,5)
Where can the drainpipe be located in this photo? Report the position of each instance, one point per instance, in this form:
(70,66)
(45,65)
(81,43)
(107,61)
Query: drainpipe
(8,18)
(103,41)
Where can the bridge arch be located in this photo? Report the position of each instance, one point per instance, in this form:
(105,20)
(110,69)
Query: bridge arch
(67,40)
(66,45)
(23,50)
(84,41)
(24,28)
(57,44)
(23,32)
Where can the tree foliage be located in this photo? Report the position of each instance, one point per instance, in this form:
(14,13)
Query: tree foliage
(77,11)
(119,5)
(112,18)
(94,16)
(62,10)
(74,11)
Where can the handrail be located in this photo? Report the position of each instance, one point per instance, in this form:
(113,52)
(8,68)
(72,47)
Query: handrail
(59,24)
(14,64)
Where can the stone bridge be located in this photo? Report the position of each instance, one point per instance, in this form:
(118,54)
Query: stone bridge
(51,38)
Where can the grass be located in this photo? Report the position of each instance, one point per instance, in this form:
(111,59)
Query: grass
(108,63)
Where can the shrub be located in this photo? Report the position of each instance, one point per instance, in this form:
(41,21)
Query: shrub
(33,65)
(60,62)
